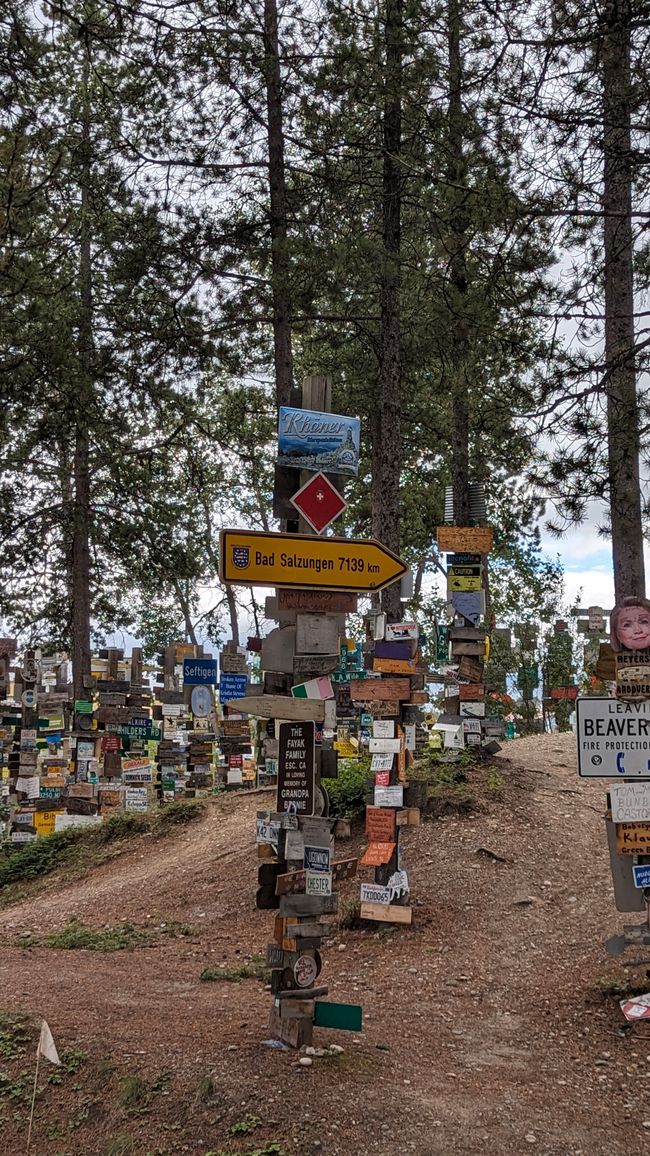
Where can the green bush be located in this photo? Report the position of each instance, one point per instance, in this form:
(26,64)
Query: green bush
(347,793)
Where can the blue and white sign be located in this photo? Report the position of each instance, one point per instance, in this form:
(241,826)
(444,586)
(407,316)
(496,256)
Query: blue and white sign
(309,440)
(232,686)
(316,859)
(199,671)
(642,875)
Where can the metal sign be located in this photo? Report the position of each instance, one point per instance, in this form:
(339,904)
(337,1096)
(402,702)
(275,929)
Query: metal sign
(311,440)
(641,874)
(199,671)
(255,558)
(319,502)
(296,764)
(613,738)
(232,686)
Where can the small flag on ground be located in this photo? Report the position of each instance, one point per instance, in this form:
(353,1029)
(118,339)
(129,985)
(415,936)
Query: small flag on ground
(315,688)
(46,1045)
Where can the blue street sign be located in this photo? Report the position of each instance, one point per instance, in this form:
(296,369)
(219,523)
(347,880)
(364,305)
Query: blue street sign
(232,686)
(199,671)
(642,875)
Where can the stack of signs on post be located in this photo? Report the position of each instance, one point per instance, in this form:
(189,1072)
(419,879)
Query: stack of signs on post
(622,727)
(389,702)
(236,742)
(464,644)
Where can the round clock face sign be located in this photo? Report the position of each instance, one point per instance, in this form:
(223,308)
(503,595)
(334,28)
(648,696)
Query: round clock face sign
(305,970)
(201,701)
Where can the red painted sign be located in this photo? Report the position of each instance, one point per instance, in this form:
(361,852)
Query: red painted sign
(565,692)
(319,502)
(111,743)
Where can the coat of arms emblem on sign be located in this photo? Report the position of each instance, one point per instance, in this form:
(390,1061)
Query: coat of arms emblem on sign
(241,556)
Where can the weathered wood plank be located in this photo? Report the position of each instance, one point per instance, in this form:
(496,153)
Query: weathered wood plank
(277,706)
(316,634)
(380,689)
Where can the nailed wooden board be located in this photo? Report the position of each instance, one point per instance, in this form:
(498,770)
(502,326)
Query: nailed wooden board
(280,707)
(307,666)
(380,824)
(377,854)
(459,649)
(394,665)
(324,601)
(471,669)
(633,838)
(308,905)
(278,649)
(316,634)
(470,539)
(386,913)
(378,709)
(293,882)
(380,689)
(472,692)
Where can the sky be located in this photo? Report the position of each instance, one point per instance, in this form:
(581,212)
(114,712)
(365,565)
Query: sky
(587,561)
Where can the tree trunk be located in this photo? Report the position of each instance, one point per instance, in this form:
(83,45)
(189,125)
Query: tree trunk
(83,402)
(232,610)
(457,242)
(620,373)
(280,283)
(386,439)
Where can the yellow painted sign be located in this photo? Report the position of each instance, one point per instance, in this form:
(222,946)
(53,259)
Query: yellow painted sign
(44,821)
(461,582)
(252,558)
(633,838)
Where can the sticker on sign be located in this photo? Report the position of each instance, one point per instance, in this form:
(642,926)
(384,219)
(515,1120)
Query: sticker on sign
(613,738)
(318,882)
(641,875)
(630,802)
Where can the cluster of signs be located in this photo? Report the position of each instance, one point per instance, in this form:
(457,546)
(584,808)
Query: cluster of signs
(614,743)
(463,646)
(65,763)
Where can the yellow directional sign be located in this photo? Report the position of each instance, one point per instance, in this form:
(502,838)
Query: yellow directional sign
(252,558)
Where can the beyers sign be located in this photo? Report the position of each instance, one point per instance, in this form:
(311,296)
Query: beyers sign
(613,738)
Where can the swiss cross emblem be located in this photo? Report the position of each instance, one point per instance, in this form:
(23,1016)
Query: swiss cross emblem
(319,502)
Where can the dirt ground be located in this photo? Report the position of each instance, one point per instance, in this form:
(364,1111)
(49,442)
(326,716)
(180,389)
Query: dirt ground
(486,1030)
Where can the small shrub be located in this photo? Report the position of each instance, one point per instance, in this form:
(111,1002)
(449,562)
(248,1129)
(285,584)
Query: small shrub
(76,936)
(350,914)
(134,1094)
(16,1035)
(347,792)
(179,814)
(494,781)
(256,969)
(205,1090)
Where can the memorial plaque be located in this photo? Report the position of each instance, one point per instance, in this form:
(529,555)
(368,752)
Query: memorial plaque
(296,765)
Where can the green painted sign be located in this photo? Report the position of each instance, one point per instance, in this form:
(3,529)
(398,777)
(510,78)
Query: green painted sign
(147,732)
(347,1017)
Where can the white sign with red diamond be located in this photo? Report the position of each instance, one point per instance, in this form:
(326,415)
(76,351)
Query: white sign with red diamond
(319,502)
